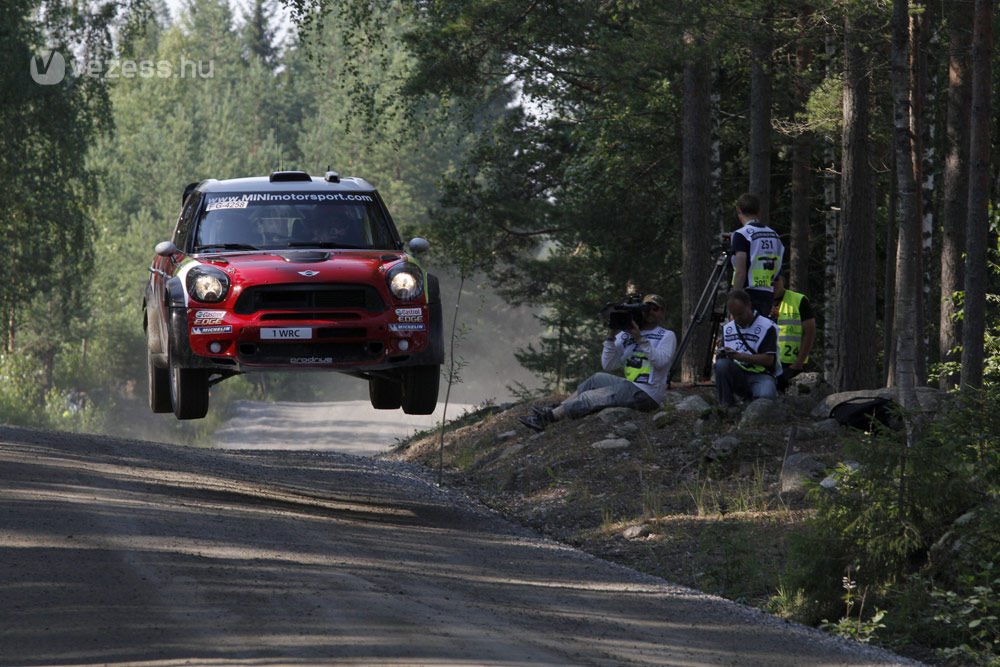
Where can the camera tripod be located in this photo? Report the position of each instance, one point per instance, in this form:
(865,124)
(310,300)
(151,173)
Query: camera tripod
(712,301)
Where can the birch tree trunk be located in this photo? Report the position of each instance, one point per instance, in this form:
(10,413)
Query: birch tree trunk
(956,179)
(977,227)
(908,273)
(854,359)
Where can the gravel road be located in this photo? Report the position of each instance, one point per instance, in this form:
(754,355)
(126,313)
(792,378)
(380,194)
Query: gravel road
(124,552)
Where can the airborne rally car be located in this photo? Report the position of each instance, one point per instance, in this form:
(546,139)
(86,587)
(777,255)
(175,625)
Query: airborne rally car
(290,272)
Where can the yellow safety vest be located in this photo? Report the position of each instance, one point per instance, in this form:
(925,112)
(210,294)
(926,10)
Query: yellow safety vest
(790,327)
(638,368)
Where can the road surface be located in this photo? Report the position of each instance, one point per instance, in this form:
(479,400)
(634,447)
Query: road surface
(123,552)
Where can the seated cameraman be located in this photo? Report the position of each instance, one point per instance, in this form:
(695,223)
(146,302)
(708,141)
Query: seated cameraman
(644,351)
(747,361)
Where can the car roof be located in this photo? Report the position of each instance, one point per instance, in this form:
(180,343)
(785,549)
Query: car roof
(264,184)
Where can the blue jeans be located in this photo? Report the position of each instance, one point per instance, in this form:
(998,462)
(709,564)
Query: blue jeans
(603,390)
(732,381)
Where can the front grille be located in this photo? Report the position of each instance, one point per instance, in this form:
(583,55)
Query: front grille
(308,297)
(341,332)
(283,353)
(331,317)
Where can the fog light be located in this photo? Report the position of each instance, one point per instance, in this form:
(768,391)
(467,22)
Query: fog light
(215,347)
(404,345)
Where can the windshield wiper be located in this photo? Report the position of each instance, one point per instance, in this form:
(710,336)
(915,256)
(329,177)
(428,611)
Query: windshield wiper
(225,246)
(323,244)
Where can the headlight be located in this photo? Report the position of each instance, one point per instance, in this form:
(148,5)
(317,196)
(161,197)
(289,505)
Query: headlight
(208,284)
(406,282)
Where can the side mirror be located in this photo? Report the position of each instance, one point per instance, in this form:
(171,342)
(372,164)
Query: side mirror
(419,245)
(165,249)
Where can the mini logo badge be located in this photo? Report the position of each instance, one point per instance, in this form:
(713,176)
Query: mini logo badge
(308,274)
(48,69)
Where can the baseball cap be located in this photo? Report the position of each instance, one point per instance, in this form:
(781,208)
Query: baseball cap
(655,298)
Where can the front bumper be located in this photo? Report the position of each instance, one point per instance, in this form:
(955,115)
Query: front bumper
(358,342)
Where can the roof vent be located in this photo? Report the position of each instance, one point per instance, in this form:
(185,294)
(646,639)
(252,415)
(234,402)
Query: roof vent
(332,177)
(283,176)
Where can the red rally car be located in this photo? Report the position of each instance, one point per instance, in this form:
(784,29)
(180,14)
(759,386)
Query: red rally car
(290,272)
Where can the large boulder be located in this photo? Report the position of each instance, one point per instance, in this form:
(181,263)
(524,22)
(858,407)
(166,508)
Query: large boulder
(822,410)
(929,399)
(809,384)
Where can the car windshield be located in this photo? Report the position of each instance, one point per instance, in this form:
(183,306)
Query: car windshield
(283,220)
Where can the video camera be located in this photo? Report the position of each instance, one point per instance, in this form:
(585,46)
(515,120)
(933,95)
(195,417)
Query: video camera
(620,316)
(721,243)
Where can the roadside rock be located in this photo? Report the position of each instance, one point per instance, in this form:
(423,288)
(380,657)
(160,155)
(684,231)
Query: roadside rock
(616,415)
(693,404)
(626,429)
(764,411)
(722,447)
(510,451)
(827,428)
(672,398)
(635,532)
(611,444)
(801,405)
(811,384)
(665,417)
(797,470)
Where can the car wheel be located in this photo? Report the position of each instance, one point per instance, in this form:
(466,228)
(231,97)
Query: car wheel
(385,393)
(158,384)
(420,389)
(188,391)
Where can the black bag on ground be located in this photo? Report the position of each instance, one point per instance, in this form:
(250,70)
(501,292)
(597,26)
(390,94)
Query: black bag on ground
(863,412)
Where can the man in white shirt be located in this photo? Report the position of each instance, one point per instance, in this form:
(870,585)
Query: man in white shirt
(644,352)
(748,359)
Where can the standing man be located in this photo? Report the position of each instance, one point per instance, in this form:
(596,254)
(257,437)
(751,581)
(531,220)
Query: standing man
(796,330)
(644,353)
(746,364)
(756,254)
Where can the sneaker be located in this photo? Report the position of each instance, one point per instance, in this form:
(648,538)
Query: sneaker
(534,422)
(544,413)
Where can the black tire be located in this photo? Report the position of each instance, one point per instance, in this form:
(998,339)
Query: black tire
(385,394)
(188,391)
(158,385)
(420,389)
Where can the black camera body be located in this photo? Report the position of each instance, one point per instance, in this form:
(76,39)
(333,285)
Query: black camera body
(620,316)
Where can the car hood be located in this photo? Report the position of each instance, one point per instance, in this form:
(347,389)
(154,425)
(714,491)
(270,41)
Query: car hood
(294,266)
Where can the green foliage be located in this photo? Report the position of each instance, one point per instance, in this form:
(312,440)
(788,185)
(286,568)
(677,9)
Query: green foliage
(972,616)
(915,528)
(854,625)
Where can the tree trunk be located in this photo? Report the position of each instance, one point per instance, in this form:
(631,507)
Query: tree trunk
(908,273)
(801,171)
(956,180)
(916,64)
(977,227)
(831,221)
(854,352)
(697,228)
(760,123)
(889,279)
